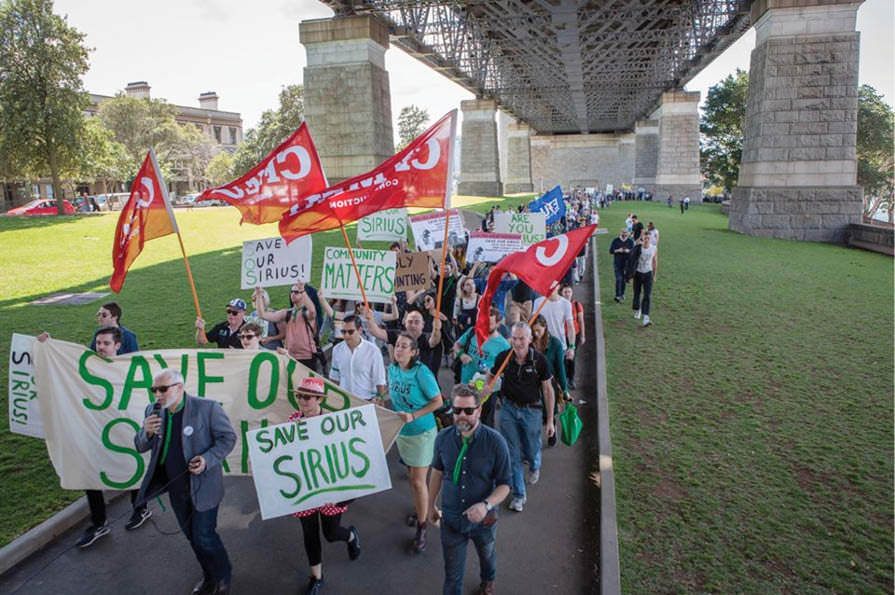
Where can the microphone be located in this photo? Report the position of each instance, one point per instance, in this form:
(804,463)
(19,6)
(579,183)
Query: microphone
(157,410)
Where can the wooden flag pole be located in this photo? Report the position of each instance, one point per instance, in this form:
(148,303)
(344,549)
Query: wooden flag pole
(354,263)
(506,360)
(444,247)
(189,275)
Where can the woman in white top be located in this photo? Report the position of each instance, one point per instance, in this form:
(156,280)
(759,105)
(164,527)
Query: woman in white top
(647,266)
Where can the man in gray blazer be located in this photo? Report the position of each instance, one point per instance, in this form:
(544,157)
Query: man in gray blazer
(189,437)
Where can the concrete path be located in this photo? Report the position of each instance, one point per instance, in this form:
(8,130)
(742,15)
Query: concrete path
(551,547)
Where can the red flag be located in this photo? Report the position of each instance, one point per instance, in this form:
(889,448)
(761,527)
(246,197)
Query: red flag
(418,176)
(540,267)
(145,216)
(289,172)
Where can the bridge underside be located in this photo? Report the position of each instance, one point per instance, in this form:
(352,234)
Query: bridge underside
(563,66)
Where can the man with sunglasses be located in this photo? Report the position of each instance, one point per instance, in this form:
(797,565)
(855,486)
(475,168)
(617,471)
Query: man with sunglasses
(109,315)
(189,438)
(225,334)
(476,462)
(357,364)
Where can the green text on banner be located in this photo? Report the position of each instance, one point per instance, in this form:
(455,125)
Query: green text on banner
(532,226)
(387,226)
(376,269)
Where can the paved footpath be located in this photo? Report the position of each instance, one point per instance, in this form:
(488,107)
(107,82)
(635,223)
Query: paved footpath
(551,547)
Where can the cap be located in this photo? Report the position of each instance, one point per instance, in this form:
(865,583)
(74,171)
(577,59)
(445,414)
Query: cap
(237,303)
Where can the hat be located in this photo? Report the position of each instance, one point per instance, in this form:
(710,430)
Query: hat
(237,303)
(311,385)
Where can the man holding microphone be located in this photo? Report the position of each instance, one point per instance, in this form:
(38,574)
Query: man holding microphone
(189,437)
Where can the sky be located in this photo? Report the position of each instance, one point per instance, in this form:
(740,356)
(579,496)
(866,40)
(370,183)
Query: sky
(247,51)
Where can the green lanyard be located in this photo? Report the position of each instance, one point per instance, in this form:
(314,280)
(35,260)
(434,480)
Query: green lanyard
(459,464)
(168,432)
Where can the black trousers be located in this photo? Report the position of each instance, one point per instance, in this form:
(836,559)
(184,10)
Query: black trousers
(200,529)
(332,531)
(97,505)
(642,281)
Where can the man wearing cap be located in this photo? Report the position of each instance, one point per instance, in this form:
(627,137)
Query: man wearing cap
(187,450)
(225,334)
(472,463)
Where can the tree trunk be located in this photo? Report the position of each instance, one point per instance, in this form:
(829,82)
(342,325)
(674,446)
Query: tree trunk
(54,174)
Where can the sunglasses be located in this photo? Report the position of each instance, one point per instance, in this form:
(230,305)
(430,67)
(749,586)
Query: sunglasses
(162,389)
(309,397)
(295,291)
(465,410)
(232,312)
(348,331)
(247,336)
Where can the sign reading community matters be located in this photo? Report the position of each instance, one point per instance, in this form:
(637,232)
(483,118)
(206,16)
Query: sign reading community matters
(388,226)
(271,262)
(532,226)
(376,269)
(326,458)
(413,272)
(93,406)
(24,408)
(428,230)
(492,247)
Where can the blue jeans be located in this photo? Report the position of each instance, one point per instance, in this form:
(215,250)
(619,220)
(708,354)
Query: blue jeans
(200,528)
(619,280)
(521,428)
(453,546)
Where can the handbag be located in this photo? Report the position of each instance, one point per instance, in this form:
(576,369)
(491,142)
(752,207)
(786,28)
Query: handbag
(570,424)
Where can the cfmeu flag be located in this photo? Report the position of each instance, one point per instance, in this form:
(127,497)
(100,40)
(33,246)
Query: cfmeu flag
(266,191)
(551,204)
(418,176)
(540,267)
(146,215)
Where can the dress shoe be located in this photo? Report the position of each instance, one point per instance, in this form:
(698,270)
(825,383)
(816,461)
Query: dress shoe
(486,588)
(203,587)
(222,588)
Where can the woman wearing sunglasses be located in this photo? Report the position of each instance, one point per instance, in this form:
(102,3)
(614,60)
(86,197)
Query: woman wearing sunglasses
(415,396)
(310,393)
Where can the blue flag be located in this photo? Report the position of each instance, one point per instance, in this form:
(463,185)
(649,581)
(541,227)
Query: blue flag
(551,204)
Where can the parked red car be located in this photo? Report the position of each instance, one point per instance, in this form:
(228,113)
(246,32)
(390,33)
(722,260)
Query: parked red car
(41,206)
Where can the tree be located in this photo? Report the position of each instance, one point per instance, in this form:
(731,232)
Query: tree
(275,127)
(138,124)
(42,99)
(220,169)
(876,135)
(101,158)
(721,125)
(412,122)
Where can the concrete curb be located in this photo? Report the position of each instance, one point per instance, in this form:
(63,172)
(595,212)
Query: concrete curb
(37,537)
(610,572)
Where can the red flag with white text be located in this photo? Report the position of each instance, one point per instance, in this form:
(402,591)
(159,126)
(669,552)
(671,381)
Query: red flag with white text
(541,267)
(265,192)
(418,176)
(146,215)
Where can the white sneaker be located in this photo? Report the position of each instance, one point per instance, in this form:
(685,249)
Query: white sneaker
(637,315)
(517,504)
(646,321)
(534,476)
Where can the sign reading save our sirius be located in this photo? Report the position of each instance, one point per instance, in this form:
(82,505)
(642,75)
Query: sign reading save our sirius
(269,262)
(327,458)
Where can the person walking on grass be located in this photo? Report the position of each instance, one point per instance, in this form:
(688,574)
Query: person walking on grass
(621,249)
(643,266)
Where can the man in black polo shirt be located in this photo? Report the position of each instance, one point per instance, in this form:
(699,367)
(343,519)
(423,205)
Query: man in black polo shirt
(225,334)
(476,462)
(429,344)
(525,379)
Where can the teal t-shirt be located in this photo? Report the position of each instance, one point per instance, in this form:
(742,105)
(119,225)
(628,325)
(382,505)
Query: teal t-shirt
(412,390)
(490,350)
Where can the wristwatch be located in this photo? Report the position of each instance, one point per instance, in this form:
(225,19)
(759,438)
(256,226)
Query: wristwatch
(487,504)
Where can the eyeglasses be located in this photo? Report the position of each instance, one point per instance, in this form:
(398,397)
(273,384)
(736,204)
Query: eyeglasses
(309,397)
(162,389)
(348,331)
(466,410)
(232,312)
(293,292)
(247,336)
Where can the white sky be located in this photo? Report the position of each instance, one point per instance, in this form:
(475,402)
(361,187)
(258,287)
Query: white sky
(246,51)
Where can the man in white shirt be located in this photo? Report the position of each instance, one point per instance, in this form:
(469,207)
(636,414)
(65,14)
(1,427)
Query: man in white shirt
(560,323)
(357,364)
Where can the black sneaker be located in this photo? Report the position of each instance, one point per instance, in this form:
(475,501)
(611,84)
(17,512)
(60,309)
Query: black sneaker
(92,534)
(354,544)
(315,586)
(138,518)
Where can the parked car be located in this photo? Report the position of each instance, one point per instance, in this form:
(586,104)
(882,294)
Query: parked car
(41,206)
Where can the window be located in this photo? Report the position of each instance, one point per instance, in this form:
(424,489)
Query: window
(232,135)
(217,133)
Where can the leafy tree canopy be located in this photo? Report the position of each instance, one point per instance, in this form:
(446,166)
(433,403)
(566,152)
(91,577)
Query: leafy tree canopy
(721,128)
(412,122)
(275,127)
(875,146)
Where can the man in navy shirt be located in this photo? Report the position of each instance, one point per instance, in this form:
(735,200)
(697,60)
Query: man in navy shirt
(472,462)
(110,315)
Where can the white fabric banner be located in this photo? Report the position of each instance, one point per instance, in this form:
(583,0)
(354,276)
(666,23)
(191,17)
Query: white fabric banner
(93,406)
(24,408)
(270,262)
(310,462)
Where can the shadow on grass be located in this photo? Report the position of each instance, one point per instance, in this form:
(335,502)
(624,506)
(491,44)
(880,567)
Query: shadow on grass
(17,222)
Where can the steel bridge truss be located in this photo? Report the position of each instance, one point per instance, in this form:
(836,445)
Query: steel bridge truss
(563,66)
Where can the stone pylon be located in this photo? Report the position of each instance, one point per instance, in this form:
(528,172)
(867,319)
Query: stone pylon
(479,157)
(677,157)
(518,176)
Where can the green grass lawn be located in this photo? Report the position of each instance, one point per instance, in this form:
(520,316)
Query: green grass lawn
(752,423)
(46,255)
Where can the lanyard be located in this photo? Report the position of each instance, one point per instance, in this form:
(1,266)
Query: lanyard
(168,432)
(459,464)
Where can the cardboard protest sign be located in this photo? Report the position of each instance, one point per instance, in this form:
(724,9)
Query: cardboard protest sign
(93,406)
(24,408)
(270,262)
(532,226)
(413,272)
(428,230)
(376,268)
(492,247)
(388,226)
(315,460)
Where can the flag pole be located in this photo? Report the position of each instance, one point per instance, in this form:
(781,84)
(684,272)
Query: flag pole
(189,275)
(506,360)
(354,263)
(444,247)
